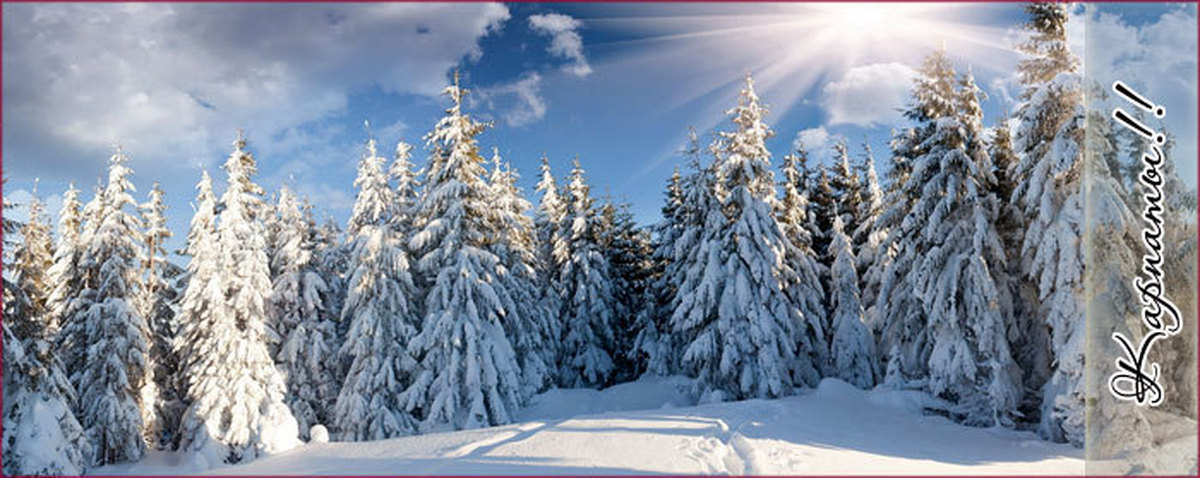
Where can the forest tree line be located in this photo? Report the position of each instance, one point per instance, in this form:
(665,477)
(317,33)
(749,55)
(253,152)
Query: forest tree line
(449,299)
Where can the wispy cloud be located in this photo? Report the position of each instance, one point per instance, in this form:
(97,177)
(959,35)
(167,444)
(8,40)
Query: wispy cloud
(565,40)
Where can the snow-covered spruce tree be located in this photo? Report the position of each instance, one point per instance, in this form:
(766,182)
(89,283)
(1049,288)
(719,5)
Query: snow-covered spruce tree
(585,285)
(331,258)
(306,356)
(899,319)
(1029,334)
(199,305)
(955,255)
(679,247)
(71,319)
(737,323)
(383,321)
(29,314)
(651,350)
(627,250)
(867,237)
(551,251)
(406,181)
(158,296)
(64,276)
(853,346)
(847,190)
(237,410)
(530,326)
(1050,195)
(41,434)
(806,290)
(822,201)
(470,377)
(114,381)
(1111,252)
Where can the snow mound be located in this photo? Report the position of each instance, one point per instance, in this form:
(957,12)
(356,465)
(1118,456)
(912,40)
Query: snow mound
(647,393)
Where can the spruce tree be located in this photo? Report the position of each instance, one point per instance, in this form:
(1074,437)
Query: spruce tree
(651,350)
(470,377)
(237,409)
(1029,334)
(733,315)
(868,236)
(627,249)
(306,356)
(114,379)
(41,434)
(64,276)
(158,296)
(806,291)
(1049,193)
(551,249)
(383,321)
(853,346)
(531,326)
(585,284)
(955,256)
(199,306)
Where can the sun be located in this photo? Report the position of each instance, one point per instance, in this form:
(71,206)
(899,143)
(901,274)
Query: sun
(793,48)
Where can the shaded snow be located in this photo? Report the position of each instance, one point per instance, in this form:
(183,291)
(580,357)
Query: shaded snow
(833,429)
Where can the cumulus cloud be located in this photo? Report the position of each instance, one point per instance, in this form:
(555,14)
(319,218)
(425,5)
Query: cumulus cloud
(811,139)
(868,95)
(172,82)
(565,41)
(519,102)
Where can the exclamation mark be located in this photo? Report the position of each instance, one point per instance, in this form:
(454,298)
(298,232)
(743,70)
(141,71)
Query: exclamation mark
(1133,97)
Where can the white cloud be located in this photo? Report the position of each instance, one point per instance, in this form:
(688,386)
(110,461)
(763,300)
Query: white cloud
(172,82)
(811,139)
(868,95)
(565,40)
(519,102)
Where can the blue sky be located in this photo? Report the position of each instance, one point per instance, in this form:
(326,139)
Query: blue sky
(615,84)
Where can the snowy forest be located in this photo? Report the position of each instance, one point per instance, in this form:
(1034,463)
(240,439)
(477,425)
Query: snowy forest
(451,296)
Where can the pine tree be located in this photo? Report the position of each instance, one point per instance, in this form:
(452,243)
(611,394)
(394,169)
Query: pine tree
(853,346)
(306,356)
(470,375)
(585,285)
(733,315)
(237,409)
(114,379)
(383,321)
(806,291)
(1049,194)
(531,327)
(158,296)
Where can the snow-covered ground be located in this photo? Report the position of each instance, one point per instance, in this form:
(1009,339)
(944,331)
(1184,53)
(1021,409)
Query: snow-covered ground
(649,426)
